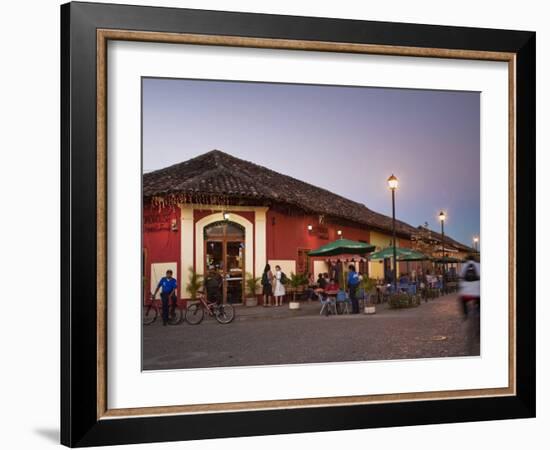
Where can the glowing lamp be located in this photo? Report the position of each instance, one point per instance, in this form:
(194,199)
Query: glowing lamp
(393,182)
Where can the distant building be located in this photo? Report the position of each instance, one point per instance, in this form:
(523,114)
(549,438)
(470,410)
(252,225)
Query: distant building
(218,210)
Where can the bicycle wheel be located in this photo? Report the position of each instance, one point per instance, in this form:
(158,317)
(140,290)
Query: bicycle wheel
(150,314)
(194,314)
(176,316)
(225,313)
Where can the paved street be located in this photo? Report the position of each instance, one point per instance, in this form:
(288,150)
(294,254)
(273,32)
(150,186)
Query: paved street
(261,336)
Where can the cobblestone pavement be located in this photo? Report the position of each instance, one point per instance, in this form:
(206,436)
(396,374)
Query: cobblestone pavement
(261,336)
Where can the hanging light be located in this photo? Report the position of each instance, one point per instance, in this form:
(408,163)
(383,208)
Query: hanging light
(310,227)
(226,216)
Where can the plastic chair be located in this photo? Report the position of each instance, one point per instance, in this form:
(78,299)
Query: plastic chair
(326,304)
(439,287)
(342,298)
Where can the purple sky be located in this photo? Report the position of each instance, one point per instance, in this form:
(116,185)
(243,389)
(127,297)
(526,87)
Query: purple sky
(345,139)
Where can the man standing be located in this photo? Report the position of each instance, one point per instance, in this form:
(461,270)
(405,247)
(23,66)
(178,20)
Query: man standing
(214,286)
(353,283)
(169,287)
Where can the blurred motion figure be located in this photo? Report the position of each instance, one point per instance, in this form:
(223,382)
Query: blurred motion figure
(469,298)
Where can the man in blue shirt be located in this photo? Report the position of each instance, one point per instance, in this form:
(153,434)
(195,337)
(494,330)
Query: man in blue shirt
(169,287)
(353,284)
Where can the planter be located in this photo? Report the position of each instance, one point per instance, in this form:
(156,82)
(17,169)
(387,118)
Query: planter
(293,305)
(370,309)
(251,301)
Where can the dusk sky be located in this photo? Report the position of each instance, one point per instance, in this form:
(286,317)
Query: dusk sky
(348,140)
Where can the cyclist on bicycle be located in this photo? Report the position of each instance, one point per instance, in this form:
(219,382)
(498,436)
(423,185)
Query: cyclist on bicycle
(469,298)
(169,286)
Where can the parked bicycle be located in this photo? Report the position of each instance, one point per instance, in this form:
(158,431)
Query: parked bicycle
(153,309)
(223,313)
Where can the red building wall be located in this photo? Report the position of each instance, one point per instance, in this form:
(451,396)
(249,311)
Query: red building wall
(161,243)
(286,234)
(405,243)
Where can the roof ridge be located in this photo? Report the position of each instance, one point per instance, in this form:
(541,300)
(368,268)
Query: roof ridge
(202,156)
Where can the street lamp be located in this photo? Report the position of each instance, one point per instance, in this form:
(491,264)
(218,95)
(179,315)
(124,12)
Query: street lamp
(393,183)
(339,233)
(442,220)
(476,240)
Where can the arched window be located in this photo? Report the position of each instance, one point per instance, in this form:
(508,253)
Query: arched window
(224,229)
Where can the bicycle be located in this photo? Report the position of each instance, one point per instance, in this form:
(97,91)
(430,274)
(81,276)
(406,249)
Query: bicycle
(223,313)
(153,309)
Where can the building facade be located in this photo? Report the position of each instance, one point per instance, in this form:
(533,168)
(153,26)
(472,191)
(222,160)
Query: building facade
(217,210)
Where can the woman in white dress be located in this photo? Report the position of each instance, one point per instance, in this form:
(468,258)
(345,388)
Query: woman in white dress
(279,290)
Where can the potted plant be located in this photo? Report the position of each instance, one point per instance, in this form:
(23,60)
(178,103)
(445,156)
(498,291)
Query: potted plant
(195,283)
(369,287)
(403,300)
(296,282)
(252,284)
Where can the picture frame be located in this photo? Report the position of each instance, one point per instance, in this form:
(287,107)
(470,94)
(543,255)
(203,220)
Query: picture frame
(86,419)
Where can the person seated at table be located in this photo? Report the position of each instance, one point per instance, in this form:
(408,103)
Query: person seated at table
(311,286)
(404,279)
(321,282)
(330,287)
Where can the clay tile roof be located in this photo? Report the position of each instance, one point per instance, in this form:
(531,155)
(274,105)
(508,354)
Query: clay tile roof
(450,241)
(219,174)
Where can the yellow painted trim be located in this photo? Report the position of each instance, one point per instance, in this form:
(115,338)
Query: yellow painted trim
(260,240)
(186,254)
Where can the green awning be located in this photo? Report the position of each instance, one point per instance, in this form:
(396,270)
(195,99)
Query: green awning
(403,254)
(343,247)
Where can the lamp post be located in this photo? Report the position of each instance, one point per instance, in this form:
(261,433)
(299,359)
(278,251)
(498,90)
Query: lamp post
(393,182)
(476,240)
(442,219)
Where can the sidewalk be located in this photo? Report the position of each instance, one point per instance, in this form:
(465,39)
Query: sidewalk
(276,312)
(312,309)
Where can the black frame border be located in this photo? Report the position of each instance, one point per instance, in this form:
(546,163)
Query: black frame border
(79,423)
